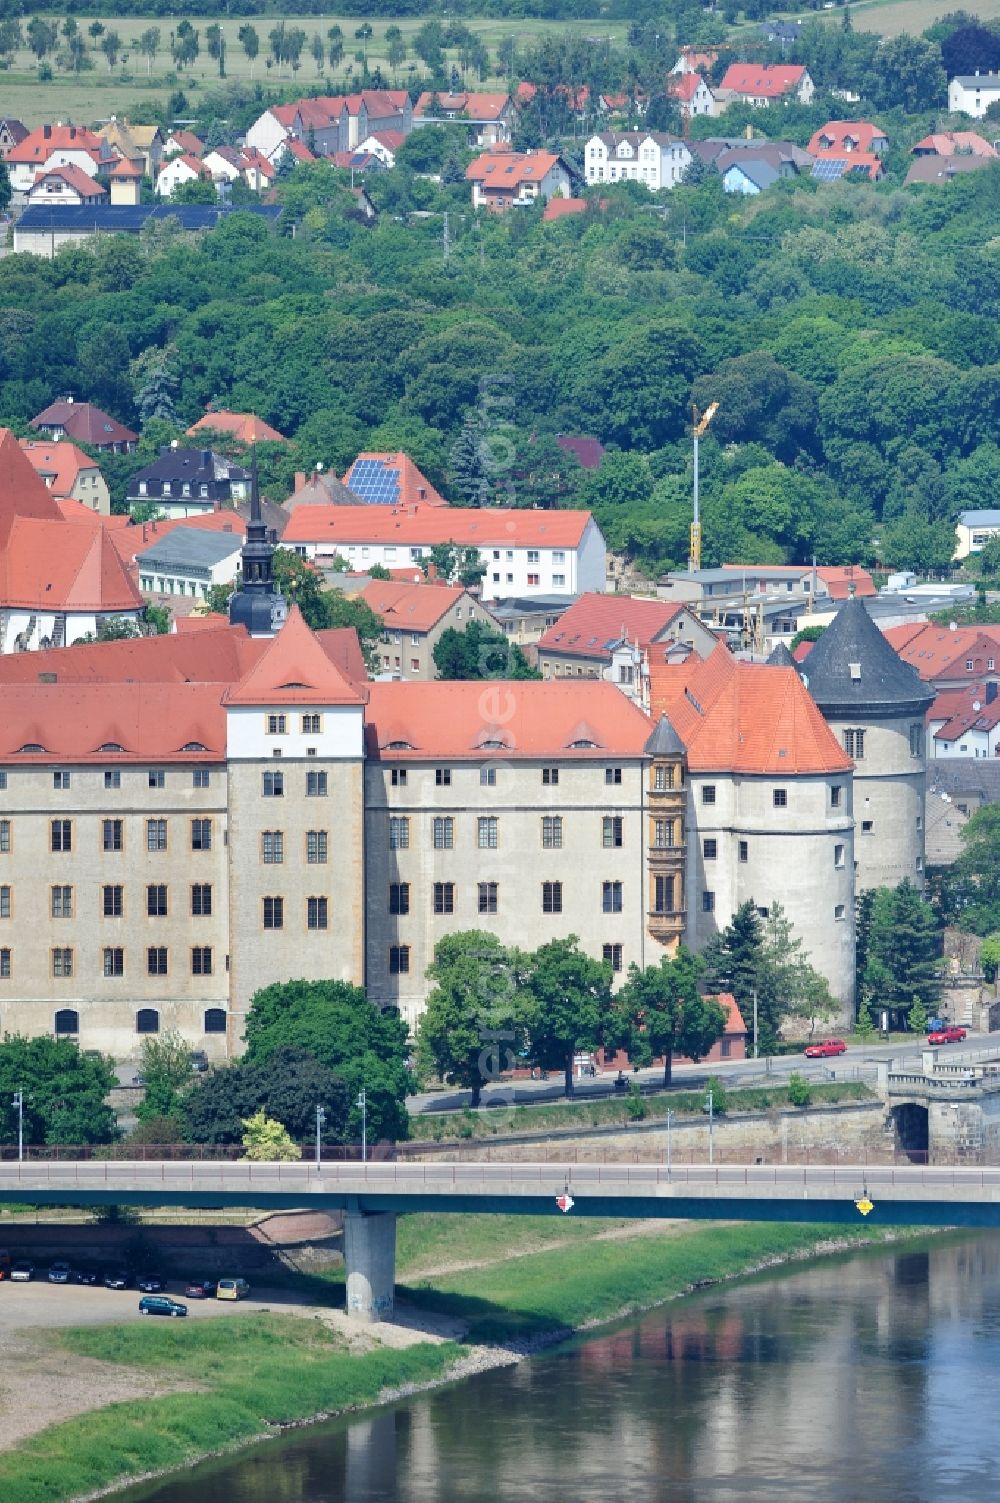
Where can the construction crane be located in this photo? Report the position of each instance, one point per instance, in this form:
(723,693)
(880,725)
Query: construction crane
(699,429)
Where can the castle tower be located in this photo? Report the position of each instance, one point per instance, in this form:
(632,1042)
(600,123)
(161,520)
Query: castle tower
(257,605)
(875,705)
(667,836)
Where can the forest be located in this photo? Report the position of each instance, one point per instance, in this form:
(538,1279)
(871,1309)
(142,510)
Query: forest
(850,334)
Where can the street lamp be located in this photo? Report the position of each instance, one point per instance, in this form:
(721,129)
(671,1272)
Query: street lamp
(710,1108)
(362,1102)
(700,428)
(670,1118)
(18,1101)
(320,1119)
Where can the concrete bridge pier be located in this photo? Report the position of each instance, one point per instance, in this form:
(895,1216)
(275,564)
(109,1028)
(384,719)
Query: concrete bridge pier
(370,1257)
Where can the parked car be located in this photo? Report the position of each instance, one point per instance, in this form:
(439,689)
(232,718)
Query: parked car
(232,1289)
(117,1278)
(84,1276)
(22,1272)
(60,1273)
(161,1304)
(825,1049)
(949,1035)
(200,1289)
(150,1283)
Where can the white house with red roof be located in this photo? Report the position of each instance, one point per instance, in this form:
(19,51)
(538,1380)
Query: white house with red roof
(502,178)
(584,642)
(489,117)
(692,95)
(56,146)
(762,84)
(69,473)
(859,144)
(67,184)
(694,60)
(182,169)
(524,553)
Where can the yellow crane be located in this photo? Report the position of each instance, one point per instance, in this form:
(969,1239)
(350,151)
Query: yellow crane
(699,429)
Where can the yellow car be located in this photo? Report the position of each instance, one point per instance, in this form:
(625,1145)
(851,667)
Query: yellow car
(232,1289)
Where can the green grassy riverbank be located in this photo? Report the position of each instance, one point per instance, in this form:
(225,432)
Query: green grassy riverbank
(511,1279)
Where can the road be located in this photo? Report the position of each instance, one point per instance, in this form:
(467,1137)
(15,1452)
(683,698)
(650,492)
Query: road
(691,1077)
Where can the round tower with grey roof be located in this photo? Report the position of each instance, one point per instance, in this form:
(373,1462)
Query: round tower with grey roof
(875,705)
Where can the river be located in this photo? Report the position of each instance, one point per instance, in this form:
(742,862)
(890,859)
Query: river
(873,1377)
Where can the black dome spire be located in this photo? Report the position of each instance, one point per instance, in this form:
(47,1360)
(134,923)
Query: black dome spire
(257,605)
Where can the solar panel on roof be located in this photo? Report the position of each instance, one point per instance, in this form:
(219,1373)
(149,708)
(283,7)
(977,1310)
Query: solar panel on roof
(828,171)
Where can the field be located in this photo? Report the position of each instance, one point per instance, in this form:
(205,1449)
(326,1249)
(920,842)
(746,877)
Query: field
(890,17)
(94,95)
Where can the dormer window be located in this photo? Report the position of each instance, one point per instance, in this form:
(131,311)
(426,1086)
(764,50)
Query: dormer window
(31,746)
(111,746)
(191,746)
(583,746)
(398,746)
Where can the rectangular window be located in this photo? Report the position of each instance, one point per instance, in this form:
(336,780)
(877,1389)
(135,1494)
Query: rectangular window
(114,960)
(316,913)
(316,846)
(710,849)
(552,897)
(708,793)
(839,912)
(488,833)
(611,897)
(663,895)
(838,856)
(442,777)
(277,725)
(272,847)
(112,777)
(311,725)
(62,962)
(854,744)
(663,778)
(444,833)
(779,798)
(613,954)
(398,777)
(399,832)
(663,833)
(612,831)
(552,831)
(201,777)
(201,899)
(156,834)
(61,902)
(399,897)
(836,793)
(916,740)
(5,965)
(112,834)
(4,836)
(274,785)
(201,960)
(612,774)
(112,901)
(867,826)
(61,779)
(708,902)
(315,785)
(5,902)
(3,777)
(487,777)
(156,900)
(156,777)
(550,775)
(201,834)
(156,960)
(62,835)
(488,895)
(444,897)
(274,913)
(744,850)
(399,960)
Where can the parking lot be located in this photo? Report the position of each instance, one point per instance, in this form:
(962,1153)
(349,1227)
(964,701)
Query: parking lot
(40,1304)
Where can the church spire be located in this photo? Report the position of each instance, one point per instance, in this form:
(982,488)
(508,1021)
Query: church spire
(257,605)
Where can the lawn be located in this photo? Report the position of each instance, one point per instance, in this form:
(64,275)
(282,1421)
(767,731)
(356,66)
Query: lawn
(890,17)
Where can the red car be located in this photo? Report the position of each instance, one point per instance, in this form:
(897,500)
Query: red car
(826,1048)
(951,1035)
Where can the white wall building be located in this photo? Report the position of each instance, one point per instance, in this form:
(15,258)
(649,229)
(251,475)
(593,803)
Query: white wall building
(649,157)
(973,93)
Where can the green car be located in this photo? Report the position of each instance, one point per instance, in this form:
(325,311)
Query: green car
(161,1304)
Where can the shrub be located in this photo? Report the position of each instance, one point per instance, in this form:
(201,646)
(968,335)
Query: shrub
(799,1090)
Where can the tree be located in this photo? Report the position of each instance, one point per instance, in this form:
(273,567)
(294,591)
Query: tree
(807,634)
(267,1141)
(64,1091)
(453,564)
(395,48)
(148,43)
(732,958)
(904,949)
(335,1022)
(155,385)
(567,1004)
(335,46)
(480,652)
(989,957)
(197,190)
(249,39)
(469,1030)
(906,74)
(318,49)
(664,1013)
(111,46)
(918,1016)
(165,1067)
(185,47)
(288,1084)
(978,870)
(43,38)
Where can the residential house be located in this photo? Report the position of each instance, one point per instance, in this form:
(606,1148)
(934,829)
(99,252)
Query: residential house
(763,84)
(223,163)
(692,95)
(243,426)
(694,60)
(319,487)
(957,788)
(68,473)
(503,178)
(178,170)
(190,561)
(187,482)
(85,424)
(390,480)
(414,618)
(524,552)
(179,142)
(526,619)
(68,184)
(783,33)
(125,183)
(965,722)
(563,208)
(55,146)
(384,145)
(938,170)
(949,657)
(12,133)
(142,145)
(583,643)
(973,93)
(331,124)
(58,579)
(258,172)
(750,173)
(489,117)
(297,150)
(974,529)
(650,157)
(843,147)
(954,143)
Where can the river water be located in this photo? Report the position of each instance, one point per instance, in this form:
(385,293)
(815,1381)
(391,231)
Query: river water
(858,1380)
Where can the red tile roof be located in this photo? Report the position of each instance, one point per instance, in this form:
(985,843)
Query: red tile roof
(123,171)
(60,459)
(594,623)
(207,621)
(300,150)
(472,721)
(845,137)
(508,169)
(411,607)
(559,208)
(293,669)
(949,143)
(685,87)
(476,106)
(73,720)
(938,652)
(487,527)
(38,145)
(84,422)
(130,540)
(189,143)
(74,177)
(23,493)
(762,81)
(63,566)
(242,425)
(414,487)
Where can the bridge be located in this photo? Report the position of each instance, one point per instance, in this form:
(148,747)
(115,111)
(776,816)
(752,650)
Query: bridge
(371,1195)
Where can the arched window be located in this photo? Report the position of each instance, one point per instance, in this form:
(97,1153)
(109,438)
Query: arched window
(31,746)
(147,1020)
(193,746)
(67,1021)
(215,1020)
(112,746)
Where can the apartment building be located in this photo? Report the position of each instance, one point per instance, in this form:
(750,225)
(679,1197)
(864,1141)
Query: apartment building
(650,157)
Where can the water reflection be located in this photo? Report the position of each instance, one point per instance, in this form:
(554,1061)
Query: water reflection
(869,1378)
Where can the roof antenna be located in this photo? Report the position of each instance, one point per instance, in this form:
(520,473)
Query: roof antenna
(255,515)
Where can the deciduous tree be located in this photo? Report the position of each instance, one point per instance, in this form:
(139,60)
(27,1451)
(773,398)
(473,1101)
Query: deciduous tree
(470,1030)
(663,1012)
(567,1004)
